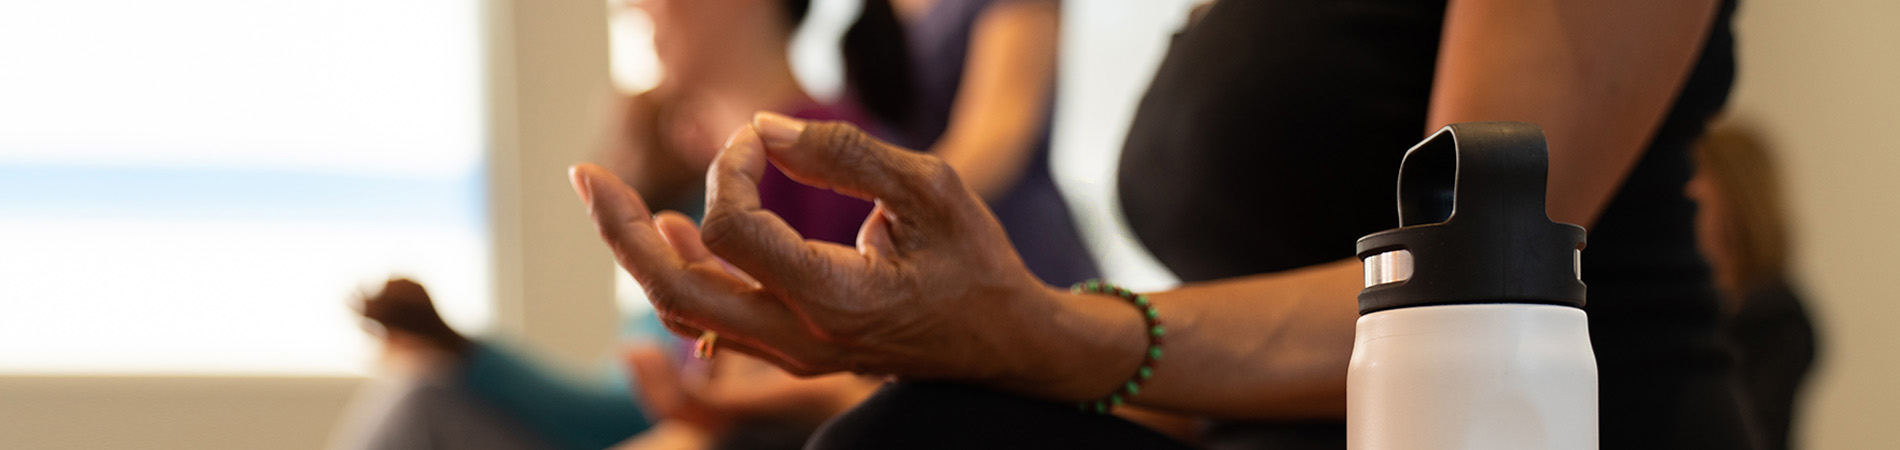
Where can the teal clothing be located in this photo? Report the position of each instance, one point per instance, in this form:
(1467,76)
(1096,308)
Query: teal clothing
(569,413)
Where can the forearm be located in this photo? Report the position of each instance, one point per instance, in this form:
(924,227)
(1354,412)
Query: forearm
(991,156)
(1267,346)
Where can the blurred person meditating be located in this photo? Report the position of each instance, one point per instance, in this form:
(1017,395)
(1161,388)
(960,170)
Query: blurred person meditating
(985,74)
(722,59)
(1742,228)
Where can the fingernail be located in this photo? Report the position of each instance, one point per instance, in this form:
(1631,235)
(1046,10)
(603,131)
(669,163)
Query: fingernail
(777,130)
(744,137)
(579,180)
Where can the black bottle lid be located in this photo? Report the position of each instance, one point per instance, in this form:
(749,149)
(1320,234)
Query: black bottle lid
(1472,226)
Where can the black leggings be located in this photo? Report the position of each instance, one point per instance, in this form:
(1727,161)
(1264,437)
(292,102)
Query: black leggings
(917,415)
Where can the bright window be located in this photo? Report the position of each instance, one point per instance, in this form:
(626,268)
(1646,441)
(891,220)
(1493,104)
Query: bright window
(196,186)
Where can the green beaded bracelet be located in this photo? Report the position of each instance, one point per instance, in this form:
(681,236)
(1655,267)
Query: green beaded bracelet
(1152,319)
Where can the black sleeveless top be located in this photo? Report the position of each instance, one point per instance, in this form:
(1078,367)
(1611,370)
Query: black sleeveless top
(1271,140)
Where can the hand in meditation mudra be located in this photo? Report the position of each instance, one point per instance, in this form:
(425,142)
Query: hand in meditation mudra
(932,290)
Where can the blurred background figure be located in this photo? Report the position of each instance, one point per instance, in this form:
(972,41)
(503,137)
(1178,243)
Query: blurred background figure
(472,394)
(985,72)
(1742,229)
(970,80)
(976,78)
(722,60)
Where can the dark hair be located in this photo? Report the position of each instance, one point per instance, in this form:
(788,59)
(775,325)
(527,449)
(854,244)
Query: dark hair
(877,63)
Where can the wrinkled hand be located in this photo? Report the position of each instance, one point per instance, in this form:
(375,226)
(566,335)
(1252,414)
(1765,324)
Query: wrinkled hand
(933,288)
(405,314)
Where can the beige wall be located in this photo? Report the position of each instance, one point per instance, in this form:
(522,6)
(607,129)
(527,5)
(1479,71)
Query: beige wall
(553,280)
(43,413)
(1823,78)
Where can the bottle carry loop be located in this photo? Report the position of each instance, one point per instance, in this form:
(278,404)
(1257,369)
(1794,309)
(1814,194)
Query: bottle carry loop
(1473,227)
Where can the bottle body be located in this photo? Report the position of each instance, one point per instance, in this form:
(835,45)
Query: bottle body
(1498,376)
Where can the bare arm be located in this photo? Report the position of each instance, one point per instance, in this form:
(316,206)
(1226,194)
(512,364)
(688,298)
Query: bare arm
(1266,346)
(1001,107)
(1597,76)
(933,289)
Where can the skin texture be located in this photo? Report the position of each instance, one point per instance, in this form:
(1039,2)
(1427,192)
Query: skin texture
(934,291)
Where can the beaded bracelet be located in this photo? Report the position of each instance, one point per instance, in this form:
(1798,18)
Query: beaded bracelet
(1155,331)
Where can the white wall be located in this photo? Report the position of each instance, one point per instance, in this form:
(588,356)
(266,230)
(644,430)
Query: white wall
(1822,77)
(1110,49)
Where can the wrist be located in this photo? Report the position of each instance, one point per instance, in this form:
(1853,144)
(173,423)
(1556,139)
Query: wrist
(1077,346)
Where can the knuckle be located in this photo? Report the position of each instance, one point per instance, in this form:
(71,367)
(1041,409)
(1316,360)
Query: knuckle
(723,231)
(938,177)
(840,135)
(669,303)
(850,146)
(727,165)
(858,151)
(664,305)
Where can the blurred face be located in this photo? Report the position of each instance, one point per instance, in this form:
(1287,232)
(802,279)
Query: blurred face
(687,34)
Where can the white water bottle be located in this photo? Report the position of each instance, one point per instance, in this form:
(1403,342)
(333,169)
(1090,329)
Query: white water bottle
(1471,332)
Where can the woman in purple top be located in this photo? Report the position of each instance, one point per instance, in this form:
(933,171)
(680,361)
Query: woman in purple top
(984,74)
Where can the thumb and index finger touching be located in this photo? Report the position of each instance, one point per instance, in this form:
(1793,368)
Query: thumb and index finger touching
(841,157)
(914,190)
(918,188)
